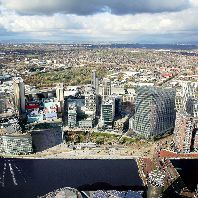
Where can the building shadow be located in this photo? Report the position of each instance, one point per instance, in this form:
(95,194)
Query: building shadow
(176,189)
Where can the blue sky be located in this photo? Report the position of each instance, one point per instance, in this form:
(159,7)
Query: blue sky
(147,21)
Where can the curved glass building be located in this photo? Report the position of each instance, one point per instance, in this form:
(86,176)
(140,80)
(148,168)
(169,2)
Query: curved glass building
(154,111)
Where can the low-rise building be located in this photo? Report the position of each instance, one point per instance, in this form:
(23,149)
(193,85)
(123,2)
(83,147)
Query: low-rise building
(16,144)
(87,123)
(51,107)
(121,123)
(45,110)
(128,98)
(35,116)
(12,140)
(86,145)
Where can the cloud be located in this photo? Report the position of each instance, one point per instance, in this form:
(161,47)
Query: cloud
(103,25)
(89,7)
(113,22)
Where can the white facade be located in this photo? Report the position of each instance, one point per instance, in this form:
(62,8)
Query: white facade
(60,92)
(131,123)
(88,123)
(72,115)
(90,99)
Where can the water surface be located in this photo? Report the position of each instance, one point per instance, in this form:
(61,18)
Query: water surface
(34,177)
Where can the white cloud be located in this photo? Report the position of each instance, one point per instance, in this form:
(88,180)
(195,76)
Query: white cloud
(106,26)
(194,3)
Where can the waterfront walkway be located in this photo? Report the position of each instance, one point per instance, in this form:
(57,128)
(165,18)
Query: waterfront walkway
(77,157)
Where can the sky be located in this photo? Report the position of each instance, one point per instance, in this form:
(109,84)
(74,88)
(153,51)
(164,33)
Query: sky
(143,21)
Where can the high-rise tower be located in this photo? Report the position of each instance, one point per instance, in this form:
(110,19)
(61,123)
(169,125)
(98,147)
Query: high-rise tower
(93,78)
(60,92)
(60,95)
(108,112)
(90,99)
(95,82)
(72,115)
(106,88)
(19,94)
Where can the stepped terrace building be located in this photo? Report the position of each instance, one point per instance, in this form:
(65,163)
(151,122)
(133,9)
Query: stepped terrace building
(154,111)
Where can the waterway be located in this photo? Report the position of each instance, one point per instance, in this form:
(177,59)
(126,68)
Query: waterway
(24,178)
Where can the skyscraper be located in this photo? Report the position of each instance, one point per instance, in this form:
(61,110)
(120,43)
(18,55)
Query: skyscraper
(60,95)
(97,86)
(108,112)
(95,82)
(72,115)
(106,88)
(19,94)
(154,111)
(60,92)
(90,99)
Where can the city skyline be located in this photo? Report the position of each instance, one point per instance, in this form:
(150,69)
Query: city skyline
(131,21)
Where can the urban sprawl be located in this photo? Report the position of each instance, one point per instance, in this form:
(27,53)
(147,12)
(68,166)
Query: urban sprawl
(97,102)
